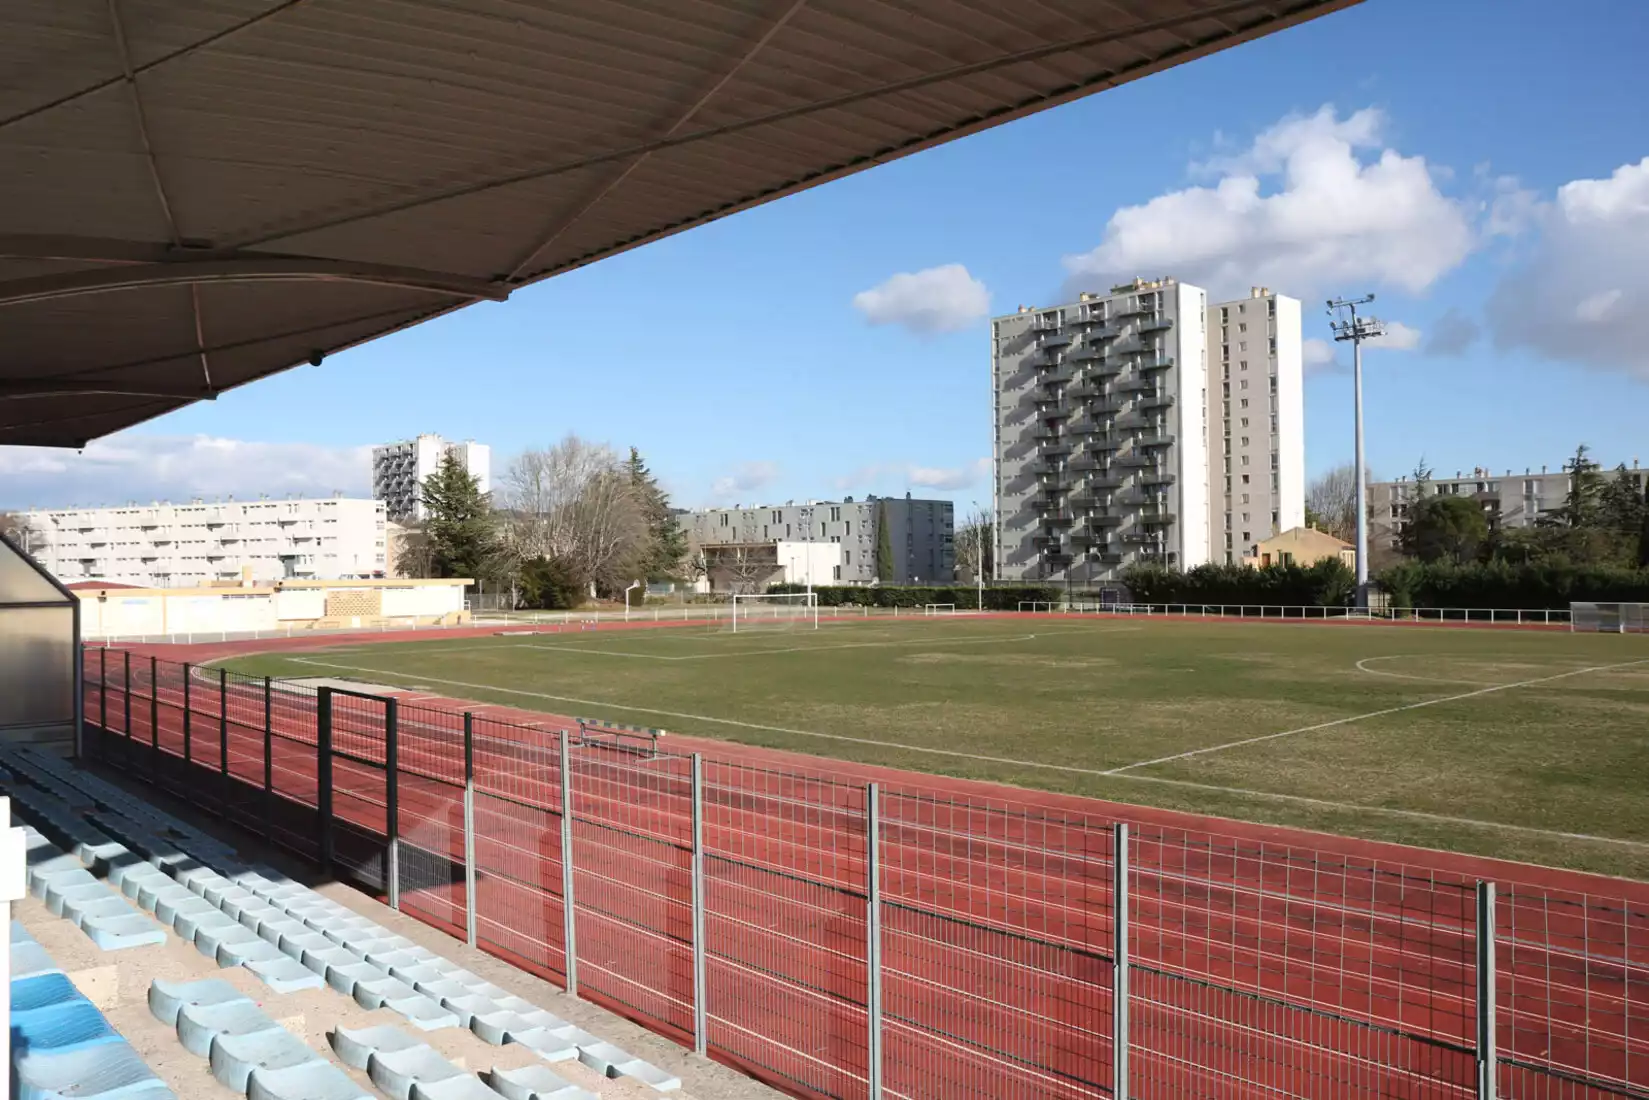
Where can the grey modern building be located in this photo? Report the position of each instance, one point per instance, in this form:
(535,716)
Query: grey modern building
(399,471)
(1144,425)
(921,535)
(1508,499)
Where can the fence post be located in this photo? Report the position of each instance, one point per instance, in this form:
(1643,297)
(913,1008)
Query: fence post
(126,699)
(392,801)
(154,719)
(470,906)
(223,734)
(268,760)
(873,939)
(1486,1059)
(188,676)
(102,693)
(701,1014)
(323,775)
(1119,961)
(569,921)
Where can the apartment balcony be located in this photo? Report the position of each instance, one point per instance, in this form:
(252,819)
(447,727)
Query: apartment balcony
(1154,439)
(1045,323)
(1142,538)
(1135,385)
(1082,462)
(1106,330)
(1108,557)
(1135,499)
(1157,478)
(1054,340)
(1056,376)
(1156,399)
(1134,461)
(1155,363)
(1051,410)
(1156,323)
(1047,465)
(1102,522)
(1156,517)
(1086,353)
(1105,405)
(1104,443)
(1104,369)
(1106,479)
(1059,518)
(1046,540)
(1133,420)
(1055,445)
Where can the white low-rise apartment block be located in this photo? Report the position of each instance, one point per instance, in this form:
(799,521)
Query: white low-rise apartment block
(163,545)
(1145,425)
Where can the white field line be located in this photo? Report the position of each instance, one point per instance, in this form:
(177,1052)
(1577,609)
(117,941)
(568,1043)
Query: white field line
(1362,666)
(1372,714)
(1038,764)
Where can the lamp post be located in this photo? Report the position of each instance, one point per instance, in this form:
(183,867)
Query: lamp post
(1348,326)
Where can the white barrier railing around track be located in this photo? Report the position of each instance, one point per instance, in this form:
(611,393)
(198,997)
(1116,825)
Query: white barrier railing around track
(1487,616)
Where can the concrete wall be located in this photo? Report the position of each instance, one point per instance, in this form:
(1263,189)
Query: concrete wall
(129,612)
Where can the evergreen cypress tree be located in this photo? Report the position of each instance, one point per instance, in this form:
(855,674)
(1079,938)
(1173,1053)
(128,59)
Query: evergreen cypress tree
(667,541)
(884,546)
(459,524)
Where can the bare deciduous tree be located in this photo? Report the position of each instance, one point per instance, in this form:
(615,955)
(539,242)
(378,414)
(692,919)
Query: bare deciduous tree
(976,541)
(1331,502)
(15,527)
(574,502)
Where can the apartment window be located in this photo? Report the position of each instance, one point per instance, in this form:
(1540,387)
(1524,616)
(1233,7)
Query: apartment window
(1245,402)
(1246,537)
(1245,441)
(1228,483)
(1271,307)
(847,557)
(847,527)
(836,571)
(1245,479)
(1245,501)
(1225,314)
(1245,520)
(835,513)
(724,519)
(1243,327)
(1244,384)
(1245,460)
(1228,389)
(764,530)
(1245,424)
(778,516)
(1273,519)
(1273,345)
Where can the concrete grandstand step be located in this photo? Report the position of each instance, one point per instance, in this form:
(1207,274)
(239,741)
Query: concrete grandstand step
(610,1060)
(284,974)
(199,1025)
(355,1046)
(234,1056)
(534,1083)
(396,1072)
(167,999)
(310,1081)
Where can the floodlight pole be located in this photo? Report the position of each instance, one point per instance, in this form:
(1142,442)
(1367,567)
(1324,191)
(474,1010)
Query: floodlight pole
(633,585)
(1348,326)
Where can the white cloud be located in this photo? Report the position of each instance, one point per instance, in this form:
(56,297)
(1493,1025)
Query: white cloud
(1397,337)
(142,467)
(1453,333)
(938,478)
(1582,292)
(1318,355)
(746,477)
(934,300)
(1316,203)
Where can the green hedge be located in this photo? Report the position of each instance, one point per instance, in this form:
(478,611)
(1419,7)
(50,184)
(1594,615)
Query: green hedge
(1328,583)
(1504,585)
(962,595)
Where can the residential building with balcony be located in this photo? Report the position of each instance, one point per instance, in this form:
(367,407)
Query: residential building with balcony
(1101,434)
(400,469)
(163,545)
(1118,419)
(1256,422)
(748,546)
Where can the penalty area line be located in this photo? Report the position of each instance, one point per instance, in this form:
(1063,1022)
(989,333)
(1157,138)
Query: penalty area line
(1037,764)
(1491,689)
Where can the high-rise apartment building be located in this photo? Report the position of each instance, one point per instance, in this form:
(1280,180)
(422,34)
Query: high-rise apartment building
(399,471)
(1256,422)
(164,545)
(1115,431)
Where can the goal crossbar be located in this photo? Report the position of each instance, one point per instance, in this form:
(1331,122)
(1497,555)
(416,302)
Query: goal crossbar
(785,610)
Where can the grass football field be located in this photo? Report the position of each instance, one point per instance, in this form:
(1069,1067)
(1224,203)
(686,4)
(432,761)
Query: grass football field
(1524,745)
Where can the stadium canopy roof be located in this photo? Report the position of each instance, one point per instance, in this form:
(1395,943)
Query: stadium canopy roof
(197,195)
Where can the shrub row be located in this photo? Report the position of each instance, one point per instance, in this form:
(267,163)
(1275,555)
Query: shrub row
(962,595)
(1504,585)
(1328,583)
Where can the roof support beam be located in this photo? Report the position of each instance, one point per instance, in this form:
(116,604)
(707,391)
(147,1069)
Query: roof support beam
(250,268)
(27,388)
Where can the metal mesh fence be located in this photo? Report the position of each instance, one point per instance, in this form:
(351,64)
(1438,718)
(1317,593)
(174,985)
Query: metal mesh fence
(842,941)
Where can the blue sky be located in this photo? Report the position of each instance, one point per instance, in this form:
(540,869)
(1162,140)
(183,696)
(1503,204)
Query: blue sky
(1436,153)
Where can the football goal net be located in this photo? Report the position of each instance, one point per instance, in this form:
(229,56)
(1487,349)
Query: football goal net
(938,609)
(1609,618)
(775,611)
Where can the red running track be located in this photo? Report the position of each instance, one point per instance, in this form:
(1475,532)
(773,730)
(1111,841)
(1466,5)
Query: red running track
(1266,960)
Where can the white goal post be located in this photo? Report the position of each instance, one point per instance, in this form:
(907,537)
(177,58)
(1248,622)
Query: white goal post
(1609,618)
(938,609)
(775,610)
